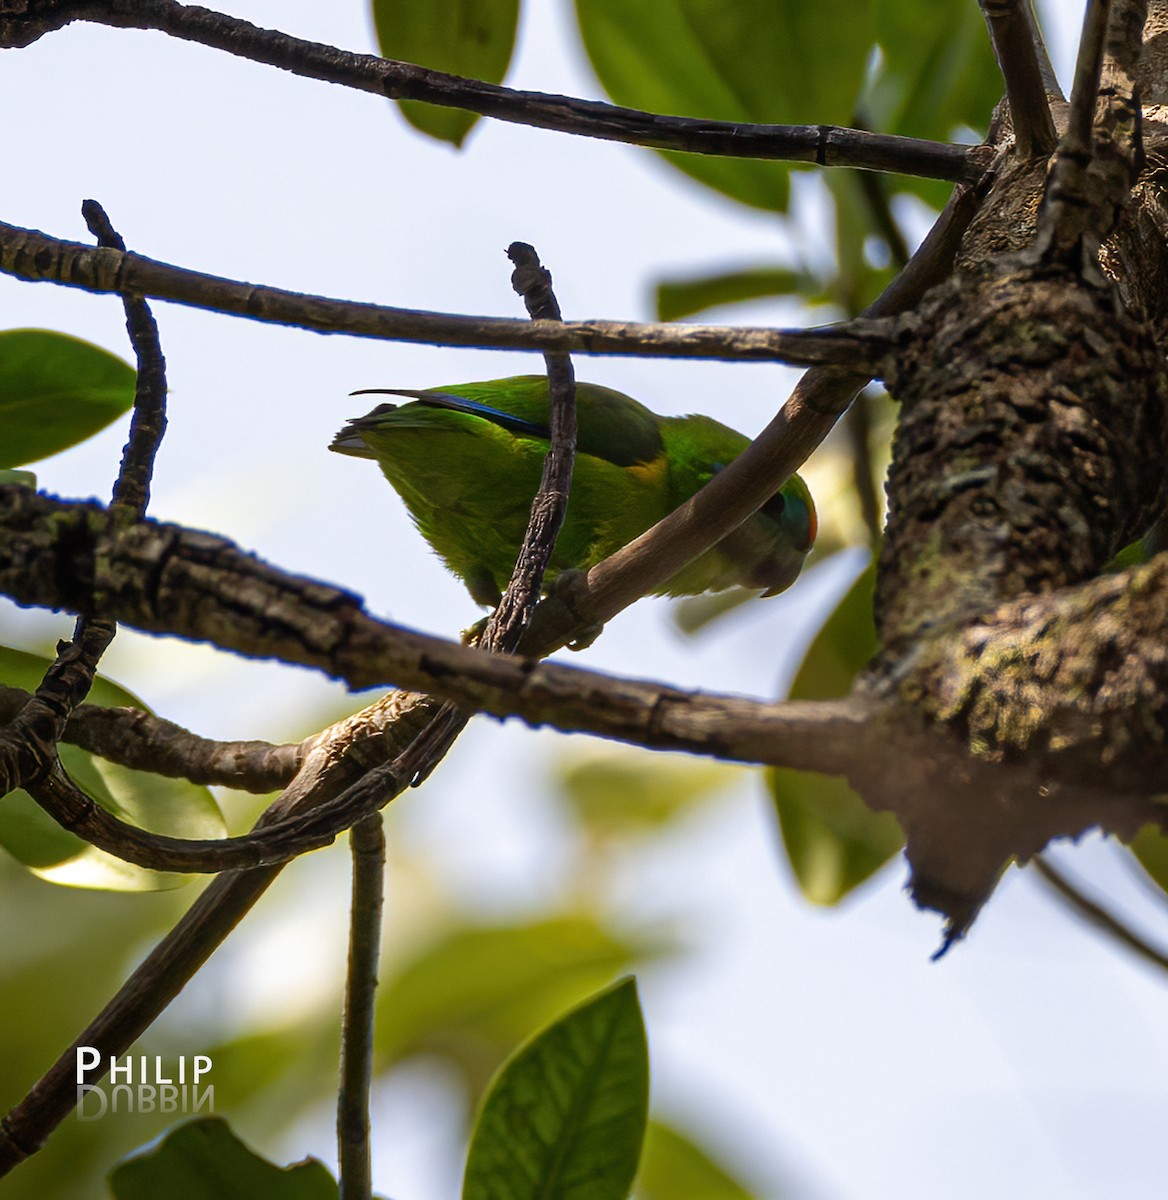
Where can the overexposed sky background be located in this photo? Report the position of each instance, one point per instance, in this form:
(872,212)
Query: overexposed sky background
(822,1047)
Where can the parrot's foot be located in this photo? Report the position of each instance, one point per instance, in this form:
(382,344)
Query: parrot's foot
(473,635)
(586,637)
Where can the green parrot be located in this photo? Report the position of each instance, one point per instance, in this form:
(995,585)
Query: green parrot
(466,460)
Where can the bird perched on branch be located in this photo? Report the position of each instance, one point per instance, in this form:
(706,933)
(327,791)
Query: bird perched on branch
(466,460)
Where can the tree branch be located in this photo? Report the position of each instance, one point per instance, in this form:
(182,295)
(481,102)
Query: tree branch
(827,145)
(138,739)
(509,621)
(367,840)
(1101,154)
(165,579)
(1095,914)
(36,257)
(1016,44)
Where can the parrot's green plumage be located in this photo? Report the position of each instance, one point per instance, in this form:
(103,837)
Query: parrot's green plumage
(467,459)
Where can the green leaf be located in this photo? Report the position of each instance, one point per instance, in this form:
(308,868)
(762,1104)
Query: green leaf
(936,71)
(1150,848)
(56,391)
(754,61)
(674,1167)
(842,647)
(472,38)
(476,992)
(24,478)
(935,75)
(566,1116)
(677,298)
(204,1160)
(616,794)
(172,806)
(834,842)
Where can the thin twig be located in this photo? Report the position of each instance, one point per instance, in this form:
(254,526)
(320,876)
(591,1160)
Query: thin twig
(826,145)
(1094,913)
(1016,45)
(367,842)
(513,613)
(31,255)
(1101,153)
(133,737)
(148,424)
(28,744)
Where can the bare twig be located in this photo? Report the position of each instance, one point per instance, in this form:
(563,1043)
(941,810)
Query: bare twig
(826,145)
(367,840)
(148,424)
(1095,914)
(28,744)
(509,620)
(34,256)
(1016,44)
(136,738)
(1101,153)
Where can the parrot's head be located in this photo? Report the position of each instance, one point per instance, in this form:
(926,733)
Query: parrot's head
(789,516)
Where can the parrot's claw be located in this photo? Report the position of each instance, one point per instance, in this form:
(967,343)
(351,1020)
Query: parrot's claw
(586,637)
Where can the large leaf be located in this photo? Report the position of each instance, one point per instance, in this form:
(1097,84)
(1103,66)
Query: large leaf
(566,1116)
(476,992)
(204,1160)
(755,61)
(936,71)
(171,806)
(472,38)
(56,391)
(833,840)
(935,75)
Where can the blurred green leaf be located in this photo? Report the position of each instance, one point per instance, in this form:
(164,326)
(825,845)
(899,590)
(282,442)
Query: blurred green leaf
(24,478)
(204,1160)
(677,298)
(476,992)
(936,71)
(842,647)
(754,61)
(56,391)
(472,38)
(834,842)
(936,74)
(1150,848)
(674,1167)
(566,1116)
(171,806)
(614,793)
(856,282)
